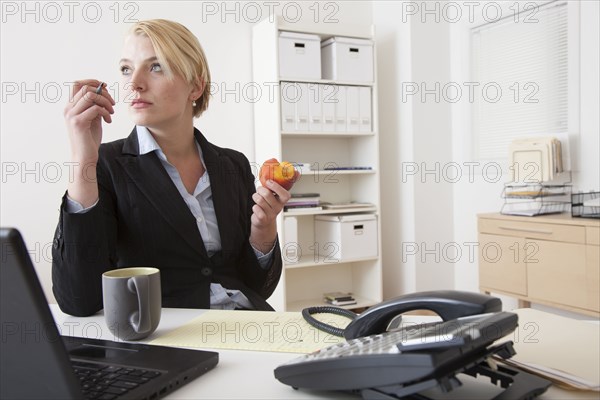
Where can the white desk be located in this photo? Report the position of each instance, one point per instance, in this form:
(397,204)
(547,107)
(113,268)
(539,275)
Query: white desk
(249,374)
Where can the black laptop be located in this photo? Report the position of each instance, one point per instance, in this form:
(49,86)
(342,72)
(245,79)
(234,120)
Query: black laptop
(37,362)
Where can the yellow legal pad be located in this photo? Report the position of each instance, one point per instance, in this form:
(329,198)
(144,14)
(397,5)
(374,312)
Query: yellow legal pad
(285,332)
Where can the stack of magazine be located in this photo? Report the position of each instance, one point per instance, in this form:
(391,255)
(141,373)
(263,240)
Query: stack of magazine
(535,159)
(339,298)
(304,201)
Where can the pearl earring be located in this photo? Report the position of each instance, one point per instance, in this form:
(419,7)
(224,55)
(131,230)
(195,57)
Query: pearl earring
(193,103)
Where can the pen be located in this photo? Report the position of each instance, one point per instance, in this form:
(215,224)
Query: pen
(99,88)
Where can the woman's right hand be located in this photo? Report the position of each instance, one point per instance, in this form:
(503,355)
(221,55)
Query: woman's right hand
(83,116)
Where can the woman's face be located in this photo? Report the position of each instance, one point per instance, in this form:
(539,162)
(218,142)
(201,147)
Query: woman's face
(153,100)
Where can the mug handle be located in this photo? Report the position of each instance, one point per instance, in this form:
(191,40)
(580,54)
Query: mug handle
(140,319)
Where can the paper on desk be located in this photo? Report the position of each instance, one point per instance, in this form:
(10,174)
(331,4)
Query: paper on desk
(564,350)
(285,332)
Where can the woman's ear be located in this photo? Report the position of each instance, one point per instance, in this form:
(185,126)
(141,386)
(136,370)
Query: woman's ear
(197,90)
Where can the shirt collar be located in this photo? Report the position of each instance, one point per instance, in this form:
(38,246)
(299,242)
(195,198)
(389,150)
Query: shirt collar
(146,141)
(147,144)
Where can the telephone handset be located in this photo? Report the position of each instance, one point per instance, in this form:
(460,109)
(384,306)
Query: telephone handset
(448,304)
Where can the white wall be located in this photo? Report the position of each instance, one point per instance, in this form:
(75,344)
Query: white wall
(47,45)
(415,138)
(589,125)
(393,38)
(422,46)
(483,193)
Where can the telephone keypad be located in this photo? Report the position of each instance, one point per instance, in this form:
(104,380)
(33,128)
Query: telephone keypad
(428,336)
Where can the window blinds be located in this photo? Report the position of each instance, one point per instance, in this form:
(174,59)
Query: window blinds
(521,66)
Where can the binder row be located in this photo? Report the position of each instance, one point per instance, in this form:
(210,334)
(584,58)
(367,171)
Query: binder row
(312,107)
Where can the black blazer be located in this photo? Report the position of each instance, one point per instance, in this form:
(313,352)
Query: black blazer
(142,220)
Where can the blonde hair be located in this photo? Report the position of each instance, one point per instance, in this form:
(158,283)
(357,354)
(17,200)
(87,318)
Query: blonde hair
(179,52)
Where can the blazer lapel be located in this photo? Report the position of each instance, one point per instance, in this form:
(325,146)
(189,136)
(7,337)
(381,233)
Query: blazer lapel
(148,174)
(225,194)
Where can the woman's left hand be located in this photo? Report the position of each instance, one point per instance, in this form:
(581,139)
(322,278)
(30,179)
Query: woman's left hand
(269,202)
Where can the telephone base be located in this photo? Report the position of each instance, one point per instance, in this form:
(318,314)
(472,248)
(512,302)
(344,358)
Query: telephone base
(517,385)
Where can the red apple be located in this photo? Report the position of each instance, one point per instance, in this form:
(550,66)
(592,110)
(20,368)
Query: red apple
(283,173)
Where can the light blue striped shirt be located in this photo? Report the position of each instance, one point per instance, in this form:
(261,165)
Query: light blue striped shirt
(202,208)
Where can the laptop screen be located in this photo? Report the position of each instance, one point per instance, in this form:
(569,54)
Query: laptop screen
(34,362)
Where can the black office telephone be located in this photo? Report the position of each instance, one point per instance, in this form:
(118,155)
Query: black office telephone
(380,361)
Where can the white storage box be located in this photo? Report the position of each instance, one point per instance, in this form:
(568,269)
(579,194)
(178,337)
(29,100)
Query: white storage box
(346,59)
(299,56)
(346,236)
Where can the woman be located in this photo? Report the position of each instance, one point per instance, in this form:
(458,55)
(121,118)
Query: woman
(164,196)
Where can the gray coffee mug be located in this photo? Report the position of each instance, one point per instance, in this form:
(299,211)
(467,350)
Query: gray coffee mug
(132,301)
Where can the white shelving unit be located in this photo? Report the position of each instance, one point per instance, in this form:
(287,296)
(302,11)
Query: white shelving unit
(313,272)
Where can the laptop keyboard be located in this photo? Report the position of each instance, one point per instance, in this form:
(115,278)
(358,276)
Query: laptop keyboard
(107,382)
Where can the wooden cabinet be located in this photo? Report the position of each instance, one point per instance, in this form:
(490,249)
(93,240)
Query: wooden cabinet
(309,267)
(500,266)
(592,258)
(552,260)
